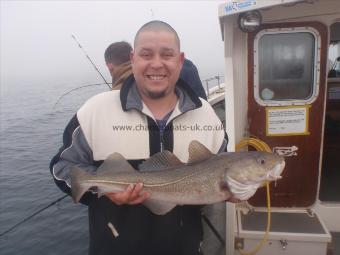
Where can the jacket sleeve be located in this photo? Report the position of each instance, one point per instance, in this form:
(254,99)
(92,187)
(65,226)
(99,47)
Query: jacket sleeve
(75,151)
(223,147)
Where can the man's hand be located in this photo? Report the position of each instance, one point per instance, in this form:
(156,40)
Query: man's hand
(132,195)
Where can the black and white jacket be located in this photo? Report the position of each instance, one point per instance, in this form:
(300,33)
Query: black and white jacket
(118,121)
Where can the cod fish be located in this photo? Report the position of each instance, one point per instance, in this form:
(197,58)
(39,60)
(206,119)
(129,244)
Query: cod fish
(207,178)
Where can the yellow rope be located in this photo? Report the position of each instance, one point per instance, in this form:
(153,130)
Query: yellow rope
(256,143)
(260,146)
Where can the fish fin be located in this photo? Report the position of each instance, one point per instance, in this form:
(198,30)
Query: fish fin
(164,159)
(158,207)
(113,164)
(77,186)
(198,152)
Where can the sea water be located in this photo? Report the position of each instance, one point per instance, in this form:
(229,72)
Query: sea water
(30,135)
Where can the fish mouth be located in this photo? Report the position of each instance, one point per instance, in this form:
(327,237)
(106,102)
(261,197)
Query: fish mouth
(275,173)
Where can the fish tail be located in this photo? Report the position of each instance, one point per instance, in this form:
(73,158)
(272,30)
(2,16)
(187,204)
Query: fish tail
(77,185)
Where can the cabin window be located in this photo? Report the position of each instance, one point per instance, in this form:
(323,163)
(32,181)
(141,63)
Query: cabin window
(285,66)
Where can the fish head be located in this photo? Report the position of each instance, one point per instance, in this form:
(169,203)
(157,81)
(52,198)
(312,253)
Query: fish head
(247,171)
(257,167)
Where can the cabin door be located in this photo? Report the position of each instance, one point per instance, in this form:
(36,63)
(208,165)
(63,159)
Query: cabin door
(286,99)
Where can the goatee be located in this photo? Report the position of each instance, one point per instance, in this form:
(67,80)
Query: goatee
(156,95)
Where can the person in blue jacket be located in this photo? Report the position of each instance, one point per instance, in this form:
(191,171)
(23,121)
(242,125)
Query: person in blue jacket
(190,75)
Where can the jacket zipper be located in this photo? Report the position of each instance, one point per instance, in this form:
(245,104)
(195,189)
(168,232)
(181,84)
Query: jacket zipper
(161,139)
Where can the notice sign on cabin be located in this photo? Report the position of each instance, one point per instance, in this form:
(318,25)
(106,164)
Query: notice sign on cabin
(286,121)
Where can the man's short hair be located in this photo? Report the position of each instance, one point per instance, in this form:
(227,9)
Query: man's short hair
(118,53)
(157,25)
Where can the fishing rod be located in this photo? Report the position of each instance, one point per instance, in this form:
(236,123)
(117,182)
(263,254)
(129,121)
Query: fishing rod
(93,64)
(74,89)
(84,86)
(33,214)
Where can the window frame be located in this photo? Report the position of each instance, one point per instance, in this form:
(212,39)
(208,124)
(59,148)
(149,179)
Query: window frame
(316,66)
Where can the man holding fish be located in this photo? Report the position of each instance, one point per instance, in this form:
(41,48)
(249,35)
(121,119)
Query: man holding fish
(152,210)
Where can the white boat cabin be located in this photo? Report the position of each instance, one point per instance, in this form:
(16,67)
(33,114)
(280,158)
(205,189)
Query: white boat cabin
(282,86)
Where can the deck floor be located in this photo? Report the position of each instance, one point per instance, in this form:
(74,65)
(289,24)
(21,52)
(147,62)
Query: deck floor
(216,214)
(335,246)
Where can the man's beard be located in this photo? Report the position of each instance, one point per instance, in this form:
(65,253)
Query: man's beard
(156,95)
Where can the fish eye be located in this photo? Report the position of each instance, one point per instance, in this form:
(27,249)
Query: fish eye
(261,161)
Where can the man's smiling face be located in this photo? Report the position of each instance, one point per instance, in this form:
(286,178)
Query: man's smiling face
(156,63)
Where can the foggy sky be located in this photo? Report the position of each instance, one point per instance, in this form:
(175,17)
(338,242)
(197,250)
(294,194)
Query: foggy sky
(36,44)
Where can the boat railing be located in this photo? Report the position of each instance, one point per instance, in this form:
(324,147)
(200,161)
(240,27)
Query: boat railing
(209,85)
